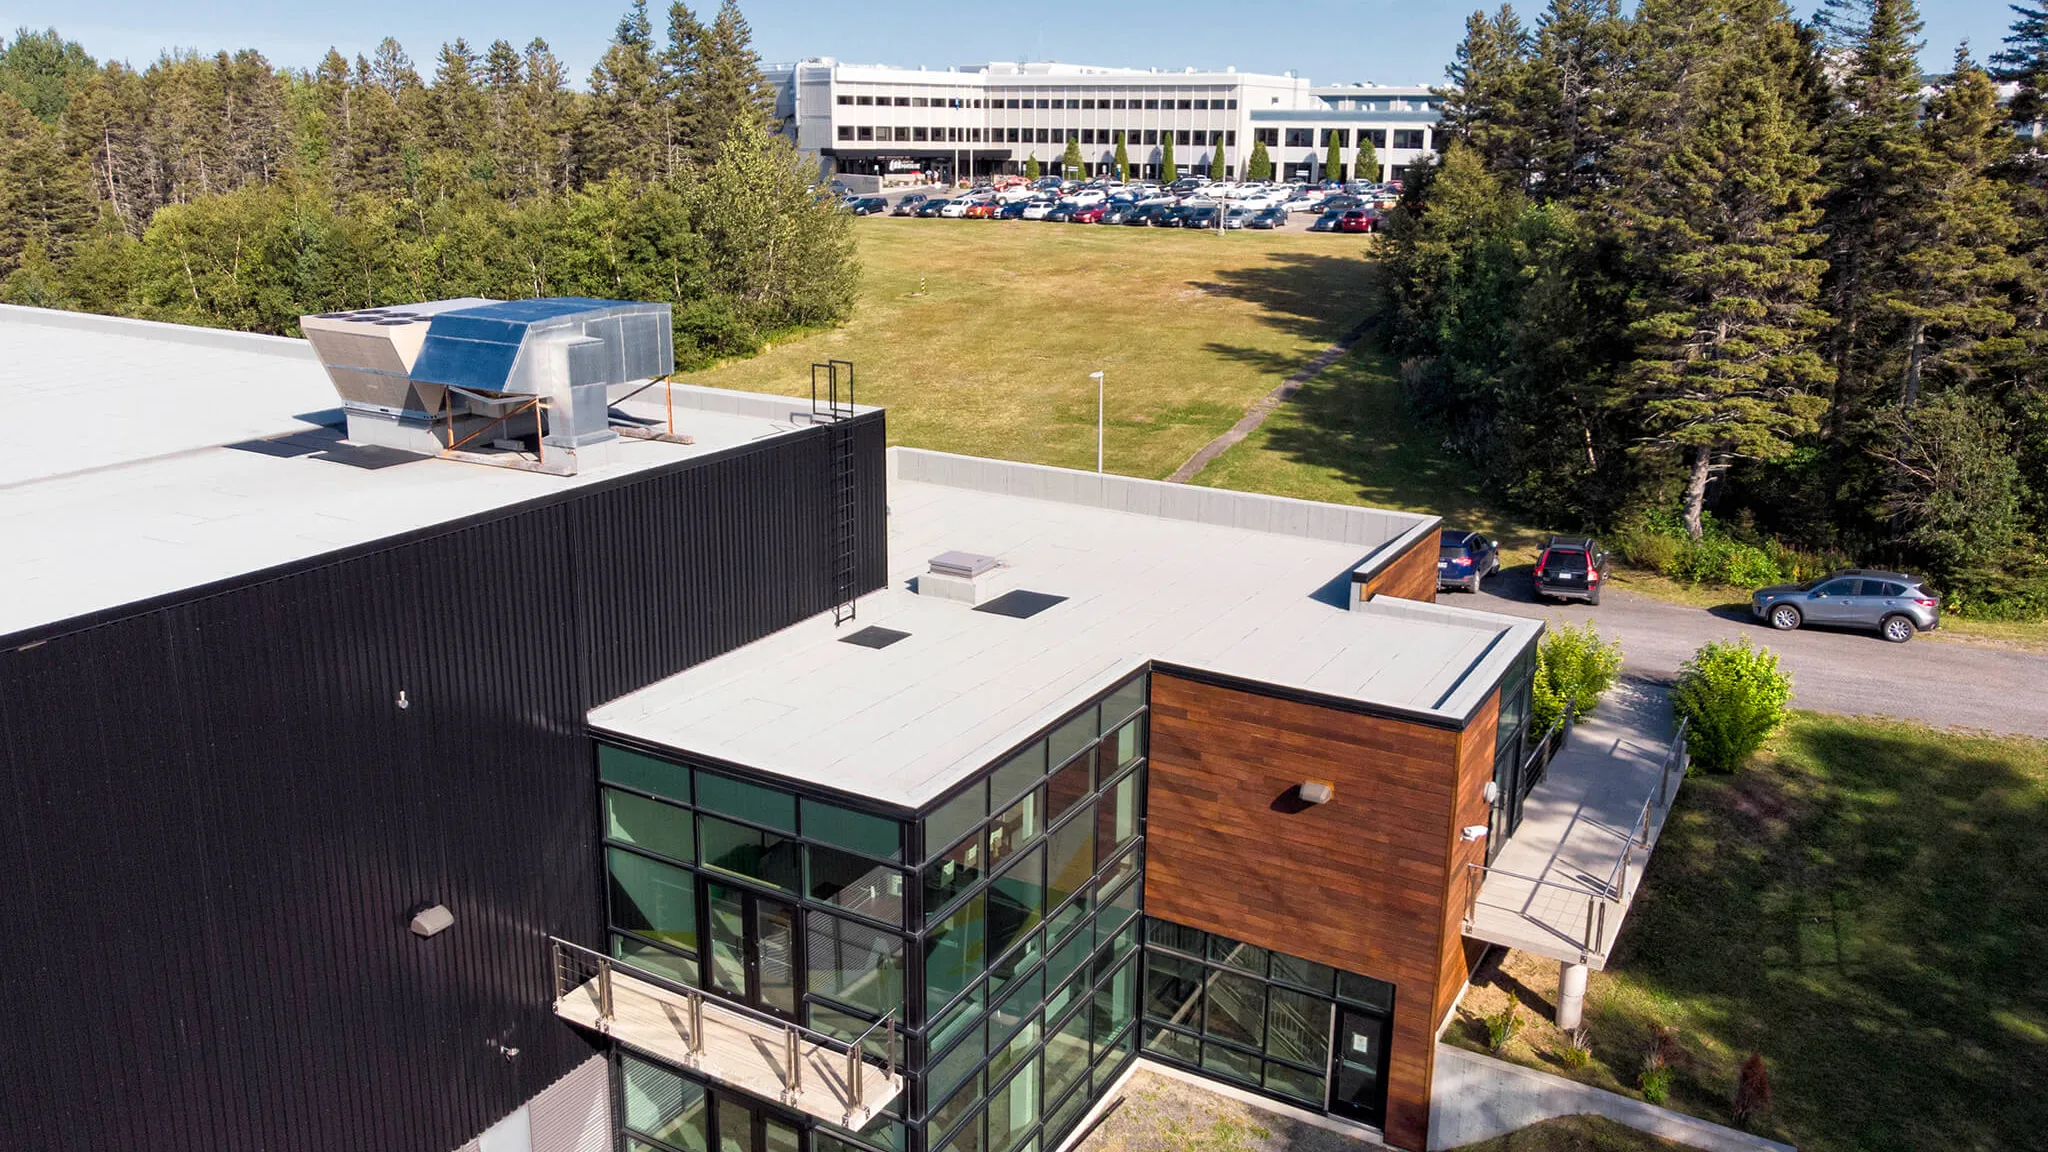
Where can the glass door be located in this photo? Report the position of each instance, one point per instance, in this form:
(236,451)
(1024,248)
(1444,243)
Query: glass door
(1358,1081)
(751,945)
(745,1127)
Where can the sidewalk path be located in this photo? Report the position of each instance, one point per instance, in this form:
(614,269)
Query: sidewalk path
(1264,405)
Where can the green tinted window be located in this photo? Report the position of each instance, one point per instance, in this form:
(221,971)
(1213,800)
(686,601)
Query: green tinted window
(1021,772)
(741,800)
(682,969)
(750,852)
(1016,901)
(650,824)
(631,769)
(953,953)
(653,899)
(1128,698)
(954,818)
(854,964)
(1070,860)
(1013,1110)
(1066,1053)
(1123,749)
(663,1105)
(1070,738)
(960,868)
(1298,1027)
(861,832)
(1116,818)
(854,883)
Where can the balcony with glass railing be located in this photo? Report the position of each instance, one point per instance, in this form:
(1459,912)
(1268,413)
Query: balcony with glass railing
(842,1082)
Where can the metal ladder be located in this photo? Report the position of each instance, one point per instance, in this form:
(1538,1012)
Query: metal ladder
(832,406)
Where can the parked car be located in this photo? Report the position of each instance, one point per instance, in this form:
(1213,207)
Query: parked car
(1327,222)
(1463,559)
(1894,604)
(1200,216)
(1571,568)
(1015,210)
(909,205)
(1172,217)
(1090,213)
(1359,220)
(1147,215)
(1118,212)
(984,210)
(1082,197)
(1270,218)
(1060,213)
(1236,217)
(1342,203)
(1036,209)
(932,207)
(867,206)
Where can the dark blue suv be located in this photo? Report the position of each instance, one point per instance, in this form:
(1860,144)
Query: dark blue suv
(1463,559)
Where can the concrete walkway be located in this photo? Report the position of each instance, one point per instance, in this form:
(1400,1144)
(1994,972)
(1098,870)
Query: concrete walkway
(1576,828)
(1264,405)
(1475,1097)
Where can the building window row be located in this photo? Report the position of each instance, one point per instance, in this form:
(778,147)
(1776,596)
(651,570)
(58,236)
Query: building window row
(862,133)
(851,100)
(1308,137)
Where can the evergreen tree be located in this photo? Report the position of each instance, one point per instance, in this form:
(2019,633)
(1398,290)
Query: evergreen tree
(1031,168)
(45,198)
(684,88)
(1723,209)
(1956,247)
(457,105)
(1333,155)
(549,120)
(1217,162)
(1123,161)
(621,133)
(1260,166)
(733,91)
(1564,103)
(1168,170)
(1872,145)
(42,71)
(1364,166)
(2024,61)
(1483,105)
(1070,160)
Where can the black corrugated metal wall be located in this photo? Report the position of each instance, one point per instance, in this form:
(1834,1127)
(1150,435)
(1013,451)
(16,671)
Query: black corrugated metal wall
(218,818)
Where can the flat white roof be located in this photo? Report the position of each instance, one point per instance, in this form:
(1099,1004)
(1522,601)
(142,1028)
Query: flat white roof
(118,482)
(1192,587)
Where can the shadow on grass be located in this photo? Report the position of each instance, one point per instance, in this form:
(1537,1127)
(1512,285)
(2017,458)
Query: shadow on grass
(1863,907)
(1293,290)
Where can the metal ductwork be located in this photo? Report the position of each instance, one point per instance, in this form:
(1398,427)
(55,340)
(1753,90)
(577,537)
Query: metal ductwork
(437,377)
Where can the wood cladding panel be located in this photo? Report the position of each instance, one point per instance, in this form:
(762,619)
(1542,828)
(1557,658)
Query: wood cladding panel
(1411,575)
(1475,770)
(1358,883)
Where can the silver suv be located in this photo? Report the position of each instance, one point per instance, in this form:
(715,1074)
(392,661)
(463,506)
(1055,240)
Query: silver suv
(1894,604)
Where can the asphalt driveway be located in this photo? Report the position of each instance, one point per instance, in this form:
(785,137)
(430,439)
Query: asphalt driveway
(1963,685)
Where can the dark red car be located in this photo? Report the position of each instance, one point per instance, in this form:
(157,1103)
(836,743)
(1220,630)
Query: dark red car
(1092,214)
(1359,220)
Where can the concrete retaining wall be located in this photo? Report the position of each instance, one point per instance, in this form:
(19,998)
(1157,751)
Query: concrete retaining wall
(1476,1097)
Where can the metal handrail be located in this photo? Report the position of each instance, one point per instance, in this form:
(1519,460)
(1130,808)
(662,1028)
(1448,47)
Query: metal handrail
(793,1032)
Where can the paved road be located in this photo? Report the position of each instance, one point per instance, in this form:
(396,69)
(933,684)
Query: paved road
(1938,682)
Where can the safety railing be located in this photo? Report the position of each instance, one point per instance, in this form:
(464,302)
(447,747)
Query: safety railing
(1615,890)
(577,967)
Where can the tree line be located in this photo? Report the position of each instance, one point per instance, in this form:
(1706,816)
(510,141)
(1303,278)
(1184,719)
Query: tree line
(1709,267)
(221,190)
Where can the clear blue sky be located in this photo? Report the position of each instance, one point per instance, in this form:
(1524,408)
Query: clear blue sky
(1332,41)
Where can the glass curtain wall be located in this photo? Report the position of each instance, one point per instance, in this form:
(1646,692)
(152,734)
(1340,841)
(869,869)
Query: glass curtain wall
(1511,749)
(689,851)
(1030,896)
(1247,1014)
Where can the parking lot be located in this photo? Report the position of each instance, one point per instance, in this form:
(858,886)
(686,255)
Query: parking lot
(1289,221)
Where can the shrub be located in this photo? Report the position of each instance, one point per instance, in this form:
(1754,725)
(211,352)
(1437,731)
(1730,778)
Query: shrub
(1733,697)
(1752,1090)
(1575,667)
(1655,1078)
(1502,1026)
(1576,1051)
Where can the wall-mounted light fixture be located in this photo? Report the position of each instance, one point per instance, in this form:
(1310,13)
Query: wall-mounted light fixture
(1492,792)
(1316,792)
(431,921)
(1472,832)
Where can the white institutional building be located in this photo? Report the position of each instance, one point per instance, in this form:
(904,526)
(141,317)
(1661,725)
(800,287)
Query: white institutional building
(992,118)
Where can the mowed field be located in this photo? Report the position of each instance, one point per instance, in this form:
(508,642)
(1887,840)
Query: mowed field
(979,336)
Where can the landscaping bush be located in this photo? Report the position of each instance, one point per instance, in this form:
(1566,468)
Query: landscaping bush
(1734,697)
(1655,1079)
(1576,1051)
(1575,667)
(1502,1026)
(1657,542)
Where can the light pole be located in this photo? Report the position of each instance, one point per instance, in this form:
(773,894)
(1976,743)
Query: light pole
(1097,377)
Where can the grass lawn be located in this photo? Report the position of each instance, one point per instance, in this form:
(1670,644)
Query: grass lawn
(1864,906)
(993,359)
(1575,1134)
